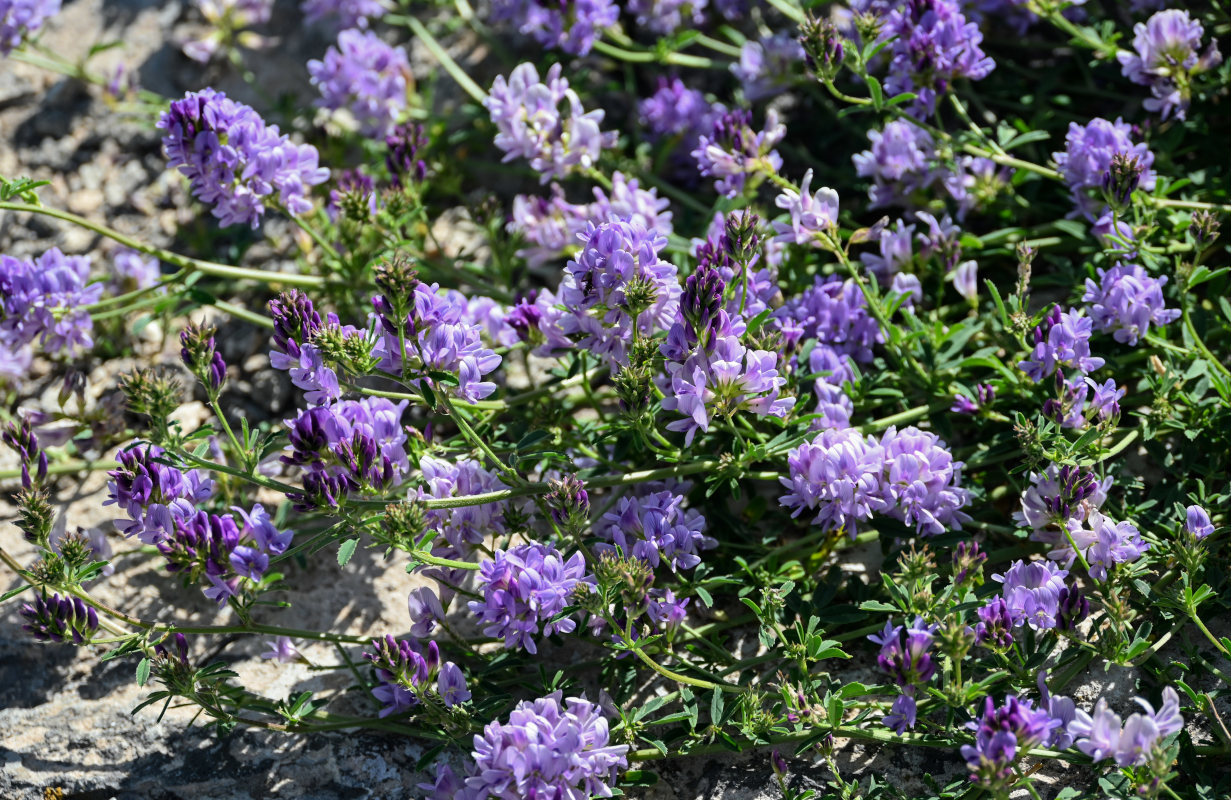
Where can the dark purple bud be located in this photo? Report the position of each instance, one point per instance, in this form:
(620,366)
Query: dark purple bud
(702,299)
(402,159)
(1121,179)
(1204,228)
(1073,608)
(779,764)
(59,619)
(295,319)
(569,503)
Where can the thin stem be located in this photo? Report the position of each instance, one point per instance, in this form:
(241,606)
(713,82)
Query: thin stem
(455,71)
(175,259)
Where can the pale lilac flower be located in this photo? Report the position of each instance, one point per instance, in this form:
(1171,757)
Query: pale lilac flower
(283,650)
(1126,300)
(837,475)
(548,748)
(667,16)
(347,13)
(921,484)
(525,588)
(1087,157)
(931,44)
(1062,339)
(656,528)
(132,270)
(1032,592)
(42,300)
(1103,544)
(1197,522)
(234,161)
(765,66)
(365,77)
(544,122)
(1100,735)
(1167,56)
(572,27)
(901,164)
(810,213)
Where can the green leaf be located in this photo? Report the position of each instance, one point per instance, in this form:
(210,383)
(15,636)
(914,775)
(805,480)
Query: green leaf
(531,439)
(716,707)
(143,671)
(1203,273)
(346,551)
(11,593)
(874,89)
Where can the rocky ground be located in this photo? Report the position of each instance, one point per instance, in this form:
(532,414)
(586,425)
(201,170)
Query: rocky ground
(64,715)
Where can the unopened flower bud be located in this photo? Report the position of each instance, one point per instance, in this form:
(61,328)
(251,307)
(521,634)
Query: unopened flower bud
(60,619)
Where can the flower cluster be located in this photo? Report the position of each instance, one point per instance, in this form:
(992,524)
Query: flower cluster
(440,335)
(351,446)
(348,13)
(544,122)
(407,672)
(366,77)
(1125,301)
(1087,158)
(931,44)
(1062,339)
(525,589)
(1101,736)
(21,18)
(810,213)
(1032,591)
(845,476)
(42,300)
(905,655)
(572,27)
(1002,735)
(732,152)
(461,528)
(764,67)
(234,161)
(1103,544)
(1166,56)
(656,528)
(56,618)
(679,115)
(668,16)
(154,494)
(548,748)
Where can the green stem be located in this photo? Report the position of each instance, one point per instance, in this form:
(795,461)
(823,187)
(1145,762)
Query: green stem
(175,259)
(455,71)
(654,57)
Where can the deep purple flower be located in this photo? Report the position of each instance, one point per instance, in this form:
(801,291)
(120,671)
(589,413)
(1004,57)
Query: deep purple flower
(408,672)
(902,714)
(55,618)
(1126,300)
(655,528)
(351,446)
(404,157)
(1057,495)
(931,44)
(234,161)
(348,13)
(544,122)
(366,77)
(1168,55)
(524,589)
(546,749)
(22,18)
(572,25)
(1197,522)
(41,300)
(1032,592)
(1003,734)
(995,626)
(1062,339)
(905,653)
(1087,157)
(152,493)
(732,151)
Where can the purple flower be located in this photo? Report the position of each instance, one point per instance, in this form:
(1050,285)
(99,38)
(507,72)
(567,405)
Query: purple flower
(546,750)
(152,493)
(41,300)
(732,151)
(901,164)
(1003,734)
(440,337)
(22,18)
(810,213)
(835,313)
(205,545)
(283,650)
(351,446)
(837,474)
(348,13)
(1062,339)
(1032,592)
(921,481)
(261,529)
(985,393)
(405,144)
(544,122)
(905,652)
(765,67)
(655,528)
(461,528)
(366,77)
(1104,544)
(1087,157)
(408,672)
(1126,300)
(931,44)
(132,270)
(667,16)
(425,611)
(679,116)
(55,618)
(995,626)
(1167,57)
(1057,495)
(902,713)
(617,256)
(525,588)
(234,161)
(570,26)
(1198,522)
(1100,735)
